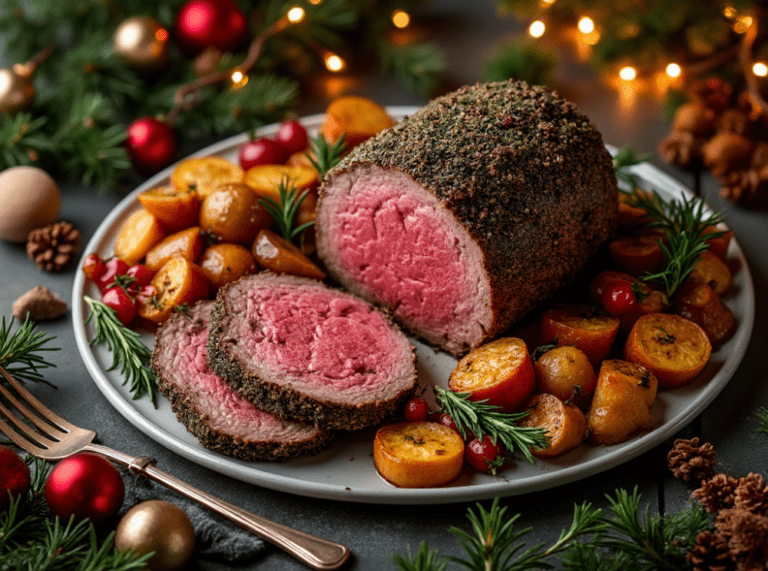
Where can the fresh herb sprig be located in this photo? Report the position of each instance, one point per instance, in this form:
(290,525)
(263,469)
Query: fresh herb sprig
(625,158)
(324,156)
(128,352)
(285,211)
(20,351)
(482,419)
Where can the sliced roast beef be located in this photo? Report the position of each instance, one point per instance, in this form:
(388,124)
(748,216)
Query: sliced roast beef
(220,418)
(466,214)
(302,350)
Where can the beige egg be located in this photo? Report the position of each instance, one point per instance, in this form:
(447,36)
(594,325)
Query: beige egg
(29,199)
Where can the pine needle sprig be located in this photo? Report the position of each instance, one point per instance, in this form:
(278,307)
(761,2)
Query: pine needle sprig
(417,66)
(624,159)
(128,352)
(325,156)
(20,351)
(762,416)
(424,560)
(285,211)
(482,419)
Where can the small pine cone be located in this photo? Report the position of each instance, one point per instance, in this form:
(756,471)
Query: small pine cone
(53,247)
(691,462)
(727,152)
(735,121)
(714,93)
(717,493)
(695,118)
(711,553)
(747,535)
(681,148)
(747,188)
(752,494)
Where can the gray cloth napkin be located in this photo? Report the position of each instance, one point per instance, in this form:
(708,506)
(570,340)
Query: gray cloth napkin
(215,536)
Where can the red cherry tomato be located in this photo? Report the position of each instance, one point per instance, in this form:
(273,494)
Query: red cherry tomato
(93,266)
(292,136)
(141,274)
(482,455)
(262,151)
(115,267)
(445,419)
(121,302)
(618,298)
(416,410)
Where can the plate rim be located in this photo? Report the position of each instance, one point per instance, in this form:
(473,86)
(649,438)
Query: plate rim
(476,491)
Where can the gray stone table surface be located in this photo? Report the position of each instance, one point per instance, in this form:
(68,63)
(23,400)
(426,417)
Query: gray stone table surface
(468,32)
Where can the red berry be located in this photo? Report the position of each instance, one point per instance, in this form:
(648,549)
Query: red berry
(114,267)
(141,274)
(262,151)
(445,419)
(93,266)
(618,298)
(416,410)
(292,136)
(121,302)
(482,456)
(14,476)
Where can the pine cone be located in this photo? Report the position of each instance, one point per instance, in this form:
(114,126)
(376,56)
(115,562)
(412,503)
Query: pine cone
(711,553)
(681,148)
(727,152)
(53,247)
(747,188)
(714,93)
(695,118)
(691,462)
(735,121)
(752,494)
(717,493)
(747,535)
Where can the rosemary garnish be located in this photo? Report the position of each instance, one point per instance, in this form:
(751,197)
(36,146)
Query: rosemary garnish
(284,213)
(128,351)
(325,156)
(624,159)
(19,351)
(483,419)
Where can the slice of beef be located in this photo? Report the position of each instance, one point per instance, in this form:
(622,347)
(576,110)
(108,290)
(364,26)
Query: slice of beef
(302,350)
(466,214)
(220,418)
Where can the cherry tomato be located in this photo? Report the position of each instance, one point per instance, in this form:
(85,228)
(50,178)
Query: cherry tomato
(416,410)
(292,136)
(121,302)
(141,274)
(618,298)
(445,419)
(262,151)
(114,267)
(93,266)
(482,456)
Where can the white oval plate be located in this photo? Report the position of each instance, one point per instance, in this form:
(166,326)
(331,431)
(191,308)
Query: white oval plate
(346,471)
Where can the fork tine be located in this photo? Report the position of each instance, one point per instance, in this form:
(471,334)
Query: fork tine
(49,429)
(21,441)
(49,415)
(40,438)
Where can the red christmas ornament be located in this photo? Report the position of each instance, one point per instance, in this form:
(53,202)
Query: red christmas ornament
(202,24)
(151,145)
(14,476)
(85,486)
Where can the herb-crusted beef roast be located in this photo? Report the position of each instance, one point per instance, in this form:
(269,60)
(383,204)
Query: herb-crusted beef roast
(220,418)
(466,214)
(302,350)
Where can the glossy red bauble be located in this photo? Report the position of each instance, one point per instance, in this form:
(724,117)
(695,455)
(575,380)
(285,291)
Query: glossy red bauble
(14,476)
(204,24)
(263,151)
(86,486)
(151,145)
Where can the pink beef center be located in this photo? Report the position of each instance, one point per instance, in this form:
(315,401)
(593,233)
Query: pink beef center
(404,255)
(330,341)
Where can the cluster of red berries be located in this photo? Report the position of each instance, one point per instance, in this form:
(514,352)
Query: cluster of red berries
(122,286)
(290,138)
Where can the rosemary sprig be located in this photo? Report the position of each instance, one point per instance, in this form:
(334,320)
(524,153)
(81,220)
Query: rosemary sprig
(624,159)
(325,156)
(285,211)
(20,351)
(128,351)
(483,419)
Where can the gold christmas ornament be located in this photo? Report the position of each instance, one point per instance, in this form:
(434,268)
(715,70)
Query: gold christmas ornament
(142,42)
(161,527)
(16,88)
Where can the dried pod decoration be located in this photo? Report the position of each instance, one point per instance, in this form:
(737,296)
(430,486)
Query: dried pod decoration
(53,247)
(739,540)
(39,304)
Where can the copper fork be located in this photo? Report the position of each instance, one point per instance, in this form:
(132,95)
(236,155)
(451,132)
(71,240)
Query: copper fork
(50,437)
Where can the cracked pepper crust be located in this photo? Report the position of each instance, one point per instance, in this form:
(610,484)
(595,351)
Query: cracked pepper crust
(522,170)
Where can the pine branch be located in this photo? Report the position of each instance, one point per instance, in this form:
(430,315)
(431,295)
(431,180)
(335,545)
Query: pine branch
(20,351)
(23,139)
(762,416)
(417,66)
(424,560)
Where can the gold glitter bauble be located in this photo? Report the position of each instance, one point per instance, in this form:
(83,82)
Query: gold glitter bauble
(142,42)
(160,527)
(16,89)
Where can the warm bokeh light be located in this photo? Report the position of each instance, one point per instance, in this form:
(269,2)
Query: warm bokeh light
(760,69)
(674,70)
(628,73)
(729,12)
(334,62)
(162,35)
(586,25)
(239,79)
(537,29)
(548,2)
(742,24)
(315,2)
(296,14)
(401,19)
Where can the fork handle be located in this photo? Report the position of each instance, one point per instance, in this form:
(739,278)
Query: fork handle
(316,552)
